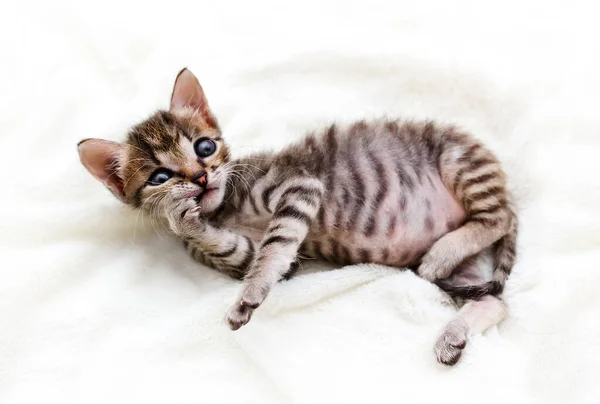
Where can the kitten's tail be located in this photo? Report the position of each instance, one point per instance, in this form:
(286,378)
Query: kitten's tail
(504,260)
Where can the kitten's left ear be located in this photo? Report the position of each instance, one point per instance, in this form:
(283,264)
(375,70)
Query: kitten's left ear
(188,94)
(102,158)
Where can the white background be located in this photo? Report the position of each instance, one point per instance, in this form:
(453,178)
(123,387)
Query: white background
(97,307)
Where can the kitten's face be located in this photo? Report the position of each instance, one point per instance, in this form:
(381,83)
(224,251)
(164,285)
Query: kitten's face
(172,156)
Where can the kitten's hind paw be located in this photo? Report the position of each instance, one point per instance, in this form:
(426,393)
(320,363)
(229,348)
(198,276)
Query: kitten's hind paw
(450,344)
(238,316)
(427,272)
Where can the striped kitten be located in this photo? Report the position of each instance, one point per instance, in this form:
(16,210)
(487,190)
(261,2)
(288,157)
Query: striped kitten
(396,193)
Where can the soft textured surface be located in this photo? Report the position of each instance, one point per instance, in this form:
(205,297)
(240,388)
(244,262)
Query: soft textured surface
(96,307)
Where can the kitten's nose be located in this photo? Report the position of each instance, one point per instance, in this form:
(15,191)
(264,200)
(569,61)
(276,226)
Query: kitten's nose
(200,179)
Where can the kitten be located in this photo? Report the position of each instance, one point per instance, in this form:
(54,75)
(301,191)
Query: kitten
(396,193)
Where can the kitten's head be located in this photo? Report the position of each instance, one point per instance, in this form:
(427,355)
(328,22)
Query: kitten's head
(173,155)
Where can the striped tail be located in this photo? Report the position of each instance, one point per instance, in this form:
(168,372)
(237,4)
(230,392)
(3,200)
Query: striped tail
(504,260)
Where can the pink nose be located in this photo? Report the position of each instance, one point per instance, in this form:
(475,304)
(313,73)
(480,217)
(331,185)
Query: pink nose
(200,179)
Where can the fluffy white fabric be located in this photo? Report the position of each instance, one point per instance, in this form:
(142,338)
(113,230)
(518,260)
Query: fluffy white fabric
(96,307)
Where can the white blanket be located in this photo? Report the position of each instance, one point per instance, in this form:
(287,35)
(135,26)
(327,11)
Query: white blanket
(98,307)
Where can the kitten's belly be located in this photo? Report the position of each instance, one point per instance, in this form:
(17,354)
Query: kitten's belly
(402,229)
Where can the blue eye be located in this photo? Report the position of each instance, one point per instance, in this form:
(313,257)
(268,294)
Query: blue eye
(204,147)
(160,176)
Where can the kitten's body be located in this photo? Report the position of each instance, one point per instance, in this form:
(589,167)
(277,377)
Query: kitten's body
(383,202)
(390,192)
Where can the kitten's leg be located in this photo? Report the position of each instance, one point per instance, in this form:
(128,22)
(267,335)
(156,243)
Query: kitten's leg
(474,317)
(221,249)
(296,203)
(475,177)
(231,254)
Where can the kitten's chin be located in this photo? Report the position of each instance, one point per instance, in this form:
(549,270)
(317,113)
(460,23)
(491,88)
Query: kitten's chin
(210,200)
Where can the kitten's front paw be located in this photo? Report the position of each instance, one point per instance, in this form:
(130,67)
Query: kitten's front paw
(184,219)
(253,296)
(238,316)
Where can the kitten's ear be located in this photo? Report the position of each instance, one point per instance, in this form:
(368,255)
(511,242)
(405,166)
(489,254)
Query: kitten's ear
(188,93)
(103,158)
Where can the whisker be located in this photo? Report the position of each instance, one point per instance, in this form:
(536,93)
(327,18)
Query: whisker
(150,205)
(140,211)
(131,176)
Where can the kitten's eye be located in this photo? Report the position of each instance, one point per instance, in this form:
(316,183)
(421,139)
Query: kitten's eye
(160,176)
(205,147)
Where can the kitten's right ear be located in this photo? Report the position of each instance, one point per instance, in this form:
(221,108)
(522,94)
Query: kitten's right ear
(188,94)
(103,158)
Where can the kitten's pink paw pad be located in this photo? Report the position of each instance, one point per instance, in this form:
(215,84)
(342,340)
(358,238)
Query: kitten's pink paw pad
(238,316)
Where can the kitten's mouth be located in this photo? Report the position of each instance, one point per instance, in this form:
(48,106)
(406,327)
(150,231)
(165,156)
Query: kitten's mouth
(201,193)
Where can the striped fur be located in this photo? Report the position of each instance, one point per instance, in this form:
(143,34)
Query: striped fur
(405,194)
